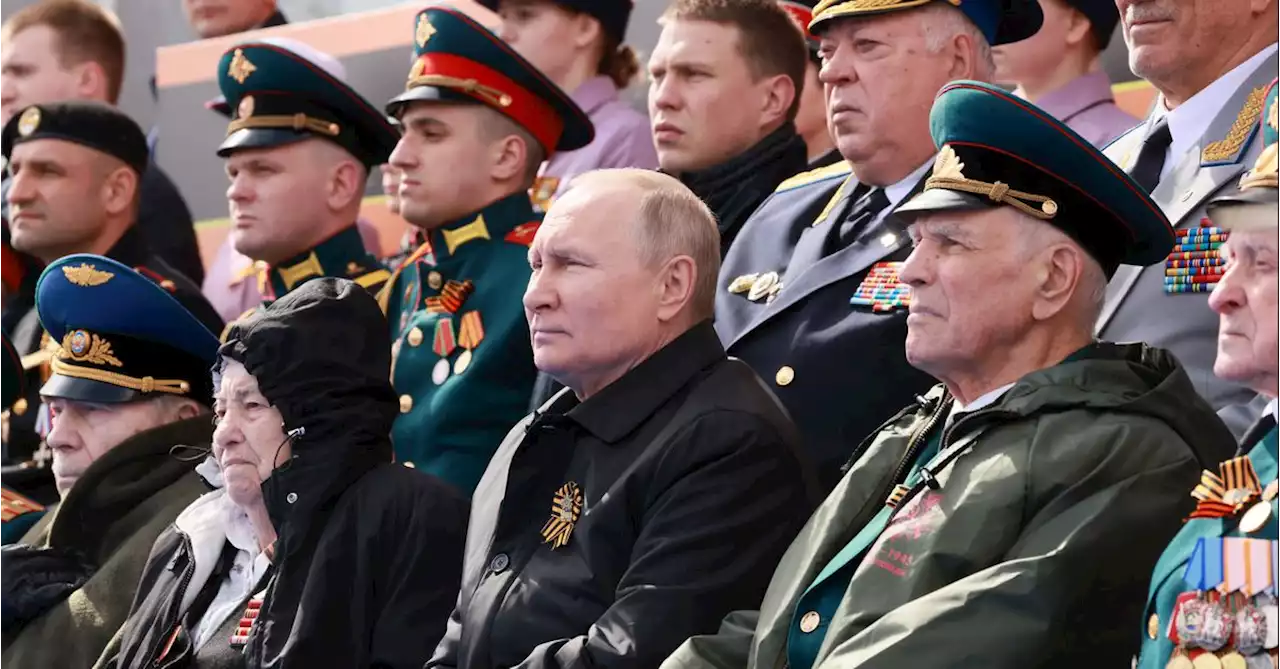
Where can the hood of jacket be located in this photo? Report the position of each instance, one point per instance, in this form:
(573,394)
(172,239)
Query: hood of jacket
(320,355)
(1118,378)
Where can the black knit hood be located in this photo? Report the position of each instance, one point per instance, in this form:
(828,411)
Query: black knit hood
(320,355)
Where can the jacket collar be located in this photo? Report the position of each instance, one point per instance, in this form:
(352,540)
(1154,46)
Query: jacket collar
(742,167)
(343,255)
(492,223)
(621,407)
(1087,90)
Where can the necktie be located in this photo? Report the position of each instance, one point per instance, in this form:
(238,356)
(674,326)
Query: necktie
(869,202)
(1146,171)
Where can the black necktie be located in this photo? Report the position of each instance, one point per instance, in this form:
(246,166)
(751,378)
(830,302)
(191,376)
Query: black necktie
(1146,171)
(868,202)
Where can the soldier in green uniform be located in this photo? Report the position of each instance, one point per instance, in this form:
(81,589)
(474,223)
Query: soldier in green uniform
(1002,519)
(1212,601)
(478,121)
(298,153)
(17,511)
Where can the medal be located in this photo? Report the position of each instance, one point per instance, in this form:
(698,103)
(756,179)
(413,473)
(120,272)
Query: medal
(565,509)
(462,363)
(1207,661)
(440,373)
(761,286)
(1259,661)
(742,283)
(1256,517)
(1233,660)
(1267,604)
(1180,661)
(1251,631)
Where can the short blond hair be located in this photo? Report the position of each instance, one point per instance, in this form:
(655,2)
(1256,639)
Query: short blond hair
(671,221)
(86,32)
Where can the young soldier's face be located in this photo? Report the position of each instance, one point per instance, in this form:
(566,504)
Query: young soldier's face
(445,161)
(32,73)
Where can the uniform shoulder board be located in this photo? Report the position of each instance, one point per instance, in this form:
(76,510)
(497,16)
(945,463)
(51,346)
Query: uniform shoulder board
(13,504)
(831,171)
(523,234)
(372,279)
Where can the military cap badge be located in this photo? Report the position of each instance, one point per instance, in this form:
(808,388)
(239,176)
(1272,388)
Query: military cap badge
(29,121)
(86,275)
(240,67)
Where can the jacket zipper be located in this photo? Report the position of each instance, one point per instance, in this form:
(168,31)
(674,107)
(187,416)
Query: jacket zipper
(913,446)
(942,447)
(187,571)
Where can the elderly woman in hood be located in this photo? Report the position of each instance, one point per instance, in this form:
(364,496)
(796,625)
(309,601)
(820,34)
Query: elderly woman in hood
(317,550)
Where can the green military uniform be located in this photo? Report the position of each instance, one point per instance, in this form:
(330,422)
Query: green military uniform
(277,97)
(17,511)
(1005,534)
(463,362)
(1212,601)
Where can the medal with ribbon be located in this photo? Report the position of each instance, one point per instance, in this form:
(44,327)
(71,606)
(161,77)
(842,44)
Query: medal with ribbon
(1225,493)
(470,334)
(452,295)
(565,509)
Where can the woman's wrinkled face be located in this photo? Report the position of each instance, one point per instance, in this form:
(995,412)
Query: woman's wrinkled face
(249,440)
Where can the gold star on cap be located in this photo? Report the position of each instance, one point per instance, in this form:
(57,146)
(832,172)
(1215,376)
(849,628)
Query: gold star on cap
(245,109)
(424,31)
(240,67)
(29,121)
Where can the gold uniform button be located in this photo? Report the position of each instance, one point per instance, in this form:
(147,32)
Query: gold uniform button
(415,336)
(809,622)
(1153,626)
(785,376)
(434,280)
(406,404)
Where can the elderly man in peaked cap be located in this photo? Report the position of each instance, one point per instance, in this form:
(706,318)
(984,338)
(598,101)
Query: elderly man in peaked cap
(478,122)
(1003,518)
(130,384)
(1221,566)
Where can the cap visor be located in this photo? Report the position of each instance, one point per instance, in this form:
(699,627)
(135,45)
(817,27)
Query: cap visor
(260,138)
(85,390)
(426,94)
(940,199)
(1246,211)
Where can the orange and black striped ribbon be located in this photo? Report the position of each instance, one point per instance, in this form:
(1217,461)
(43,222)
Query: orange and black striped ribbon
(1236,474)
(470,330)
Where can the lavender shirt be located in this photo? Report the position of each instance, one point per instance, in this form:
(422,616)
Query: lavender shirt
(1087,106)
(622,140)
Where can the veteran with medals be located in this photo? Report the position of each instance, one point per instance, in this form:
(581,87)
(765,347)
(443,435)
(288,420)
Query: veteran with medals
(1213,597)
(478,122)
(1000,520)
(298,151)
(657,491)
(129,397)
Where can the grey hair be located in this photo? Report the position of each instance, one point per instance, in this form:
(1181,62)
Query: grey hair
(1091,291)
(672,221)
(944,22)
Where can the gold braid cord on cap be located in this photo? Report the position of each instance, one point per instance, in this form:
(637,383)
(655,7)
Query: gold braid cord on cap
(948,174)
(296,122)
(145,384)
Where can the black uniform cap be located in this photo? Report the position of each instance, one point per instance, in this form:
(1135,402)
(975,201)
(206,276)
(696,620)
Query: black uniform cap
(96,125)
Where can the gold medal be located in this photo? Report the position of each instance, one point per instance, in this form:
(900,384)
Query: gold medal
(761,286)
(1256,517)
(1207,661)
(742,284)
(415,336)
(1179,661)
(1233,660)
(464,360)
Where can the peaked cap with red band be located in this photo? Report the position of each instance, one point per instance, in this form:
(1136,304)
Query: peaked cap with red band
(996,149)
(459,60)
(802,12)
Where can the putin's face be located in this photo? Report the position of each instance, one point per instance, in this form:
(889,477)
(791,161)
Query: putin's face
(1245,299)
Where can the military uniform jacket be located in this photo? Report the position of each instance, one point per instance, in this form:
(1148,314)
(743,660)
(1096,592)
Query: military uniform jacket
(683,482)
(807,341)
(1137,307)
(1169,580)
(462,361)
(1048,507)
(28,337)
(113,514)
(342,255)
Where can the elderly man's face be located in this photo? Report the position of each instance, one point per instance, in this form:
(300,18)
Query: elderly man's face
(971,289)
(1245,299)
(591,301)
(56,196)
(215,18)
(1170,40)
(880,83)
(249,441)
(82,432)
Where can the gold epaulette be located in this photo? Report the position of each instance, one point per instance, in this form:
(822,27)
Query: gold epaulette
(373,278)
(820,174)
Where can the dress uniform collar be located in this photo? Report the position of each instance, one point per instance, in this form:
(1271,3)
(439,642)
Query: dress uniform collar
(492,223)
(621,407)
(341,255)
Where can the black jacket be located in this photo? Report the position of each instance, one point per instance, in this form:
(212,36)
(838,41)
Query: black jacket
(368,555)
(165,222)
(691,484)
(735,189)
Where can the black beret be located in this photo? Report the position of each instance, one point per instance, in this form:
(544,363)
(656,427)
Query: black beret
(93,124)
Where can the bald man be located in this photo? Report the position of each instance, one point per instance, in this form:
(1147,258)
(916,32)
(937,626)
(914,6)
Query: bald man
(688,463)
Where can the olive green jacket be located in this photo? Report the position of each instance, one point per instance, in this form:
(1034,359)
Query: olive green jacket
(1034,550)
(113,514)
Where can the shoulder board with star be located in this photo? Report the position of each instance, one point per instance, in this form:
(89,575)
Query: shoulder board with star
(13,504)
(832,171)
(523,234)
(370,280)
